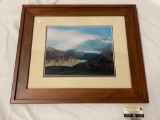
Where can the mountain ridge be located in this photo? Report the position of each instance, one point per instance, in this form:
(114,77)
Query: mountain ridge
(102,64)
(80,55)
(56,57)
(96,45)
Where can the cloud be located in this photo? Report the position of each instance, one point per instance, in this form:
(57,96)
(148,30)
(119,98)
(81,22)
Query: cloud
(67,39)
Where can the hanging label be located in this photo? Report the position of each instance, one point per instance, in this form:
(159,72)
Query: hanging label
(133,111)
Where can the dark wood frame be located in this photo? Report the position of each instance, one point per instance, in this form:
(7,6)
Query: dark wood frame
(136,94)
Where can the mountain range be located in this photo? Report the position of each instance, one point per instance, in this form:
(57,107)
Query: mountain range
(96,45)
(68,62)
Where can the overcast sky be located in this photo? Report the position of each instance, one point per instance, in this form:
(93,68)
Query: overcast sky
(64,37)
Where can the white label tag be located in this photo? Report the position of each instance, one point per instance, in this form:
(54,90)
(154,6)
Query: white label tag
(130,111)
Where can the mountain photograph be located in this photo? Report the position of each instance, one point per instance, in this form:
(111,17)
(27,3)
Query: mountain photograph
(79,50)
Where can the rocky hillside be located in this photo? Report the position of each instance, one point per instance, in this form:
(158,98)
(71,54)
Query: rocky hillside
(56,57)
(100,65)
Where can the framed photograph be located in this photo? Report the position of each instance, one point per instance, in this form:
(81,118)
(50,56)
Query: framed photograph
(79,54)
(79,50)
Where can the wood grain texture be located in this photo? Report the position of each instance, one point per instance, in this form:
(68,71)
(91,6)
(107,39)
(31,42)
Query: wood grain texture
(138,92)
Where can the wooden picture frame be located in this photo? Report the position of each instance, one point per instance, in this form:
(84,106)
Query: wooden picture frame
(22,94)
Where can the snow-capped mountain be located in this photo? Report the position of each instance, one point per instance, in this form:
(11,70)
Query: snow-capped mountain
(96,46)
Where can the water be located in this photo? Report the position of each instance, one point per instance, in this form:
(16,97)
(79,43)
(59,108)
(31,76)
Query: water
(81,61)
